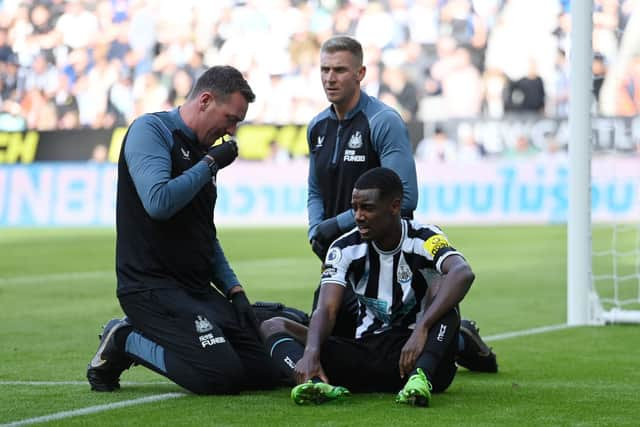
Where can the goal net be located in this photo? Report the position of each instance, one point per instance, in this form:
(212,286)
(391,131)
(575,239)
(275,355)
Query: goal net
(615,260)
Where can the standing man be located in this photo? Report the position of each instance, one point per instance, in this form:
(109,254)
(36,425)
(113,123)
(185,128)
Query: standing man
(167,254)
(407,325)
(354,134)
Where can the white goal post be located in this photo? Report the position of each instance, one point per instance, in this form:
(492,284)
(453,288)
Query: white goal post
(584,304)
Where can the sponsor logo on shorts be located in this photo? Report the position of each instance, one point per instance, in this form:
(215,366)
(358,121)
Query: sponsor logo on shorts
(434,243)
(209,339)
(289,362)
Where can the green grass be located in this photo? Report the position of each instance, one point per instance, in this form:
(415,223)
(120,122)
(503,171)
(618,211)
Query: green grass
(57,287)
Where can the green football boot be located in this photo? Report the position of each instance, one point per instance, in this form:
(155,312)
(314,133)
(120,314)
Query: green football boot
(317,393)
(417,390)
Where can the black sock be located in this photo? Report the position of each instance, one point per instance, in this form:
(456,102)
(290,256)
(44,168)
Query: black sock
(120,337)
(461,343)
(285,351)
(428,363)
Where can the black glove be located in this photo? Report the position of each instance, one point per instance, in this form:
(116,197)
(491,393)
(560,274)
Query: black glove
(223,154)
(244,311)
(326,232)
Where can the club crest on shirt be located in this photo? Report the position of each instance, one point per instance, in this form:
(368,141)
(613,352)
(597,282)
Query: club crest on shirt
(202,324)
(334,256)
(404,273)
(356,141)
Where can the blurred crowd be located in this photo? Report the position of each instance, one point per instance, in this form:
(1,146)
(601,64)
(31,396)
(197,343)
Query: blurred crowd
(68,64)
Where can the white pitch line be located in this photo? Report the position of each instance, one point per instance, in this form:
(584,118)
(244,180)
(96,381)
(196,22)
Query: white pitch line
(93,409)
(526,332)
(58,277)
(48,383)
(100,408)
(111,274)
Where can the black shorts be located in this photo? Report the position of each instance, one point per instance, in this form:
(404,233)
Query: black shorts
(371,363)
(201,333)
(366,364)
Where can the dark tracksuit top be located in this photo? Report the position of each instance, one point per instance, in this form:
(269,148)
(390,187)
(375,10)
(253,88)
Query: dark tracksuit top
(372,134)
(166,195)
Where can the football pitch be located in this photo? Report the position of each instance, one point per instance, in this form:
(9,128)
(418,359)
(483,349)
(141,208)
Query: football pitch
(57,288)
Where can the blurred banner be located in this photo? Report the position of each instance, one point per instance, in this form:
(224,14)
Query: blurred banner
(531,190)
(259,142)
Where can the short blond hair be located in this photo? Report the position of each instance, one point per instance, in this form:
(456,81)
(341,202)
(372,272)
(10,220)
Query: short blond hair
(342,44)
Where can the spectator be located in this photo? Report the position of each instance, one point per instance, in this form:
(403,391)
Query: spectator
(38,110)
(522,148)
(527,95)
(65,102)
(442,46)
(150,94)
(121,99)
(552,151)
(629,90)
(43,36)
(561,95)
(599,71)
(119,46)
(278,154)
(77,26)
(181,85)
(438,148)
(469,150)
(100,154)
(495,86)
(195,65)
(10,78)
(462,86)
(395,83)
(41,76)
(6,51)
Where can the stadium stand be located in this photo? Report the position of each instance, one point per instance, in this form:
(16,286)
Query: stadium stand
(67,64)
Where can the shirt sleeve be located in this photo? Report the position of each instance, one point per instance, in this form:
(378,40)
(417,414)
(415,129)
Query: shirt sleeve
(335,268)
(390,139)
(223,277)
(315,205)
(148,155)
(436,247)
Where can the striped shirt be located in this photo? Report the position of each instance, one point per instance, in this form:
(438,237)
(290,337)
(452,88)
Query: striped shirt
(391,286)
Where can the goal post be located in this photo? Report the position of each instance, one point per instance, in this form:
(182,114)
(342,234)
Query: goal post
(579,274)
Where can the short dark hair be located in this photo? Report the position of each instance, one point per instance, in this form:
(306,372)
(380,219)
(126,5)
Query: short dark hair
(222,80)
(344,43)
(383,179)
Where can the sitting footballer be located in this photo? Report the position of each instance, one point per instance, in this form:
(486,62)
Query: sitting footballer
(409,282)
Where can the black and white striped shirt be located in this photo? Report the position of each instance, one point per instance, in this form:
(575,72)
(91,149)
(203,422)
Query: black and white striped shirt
(390,285)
